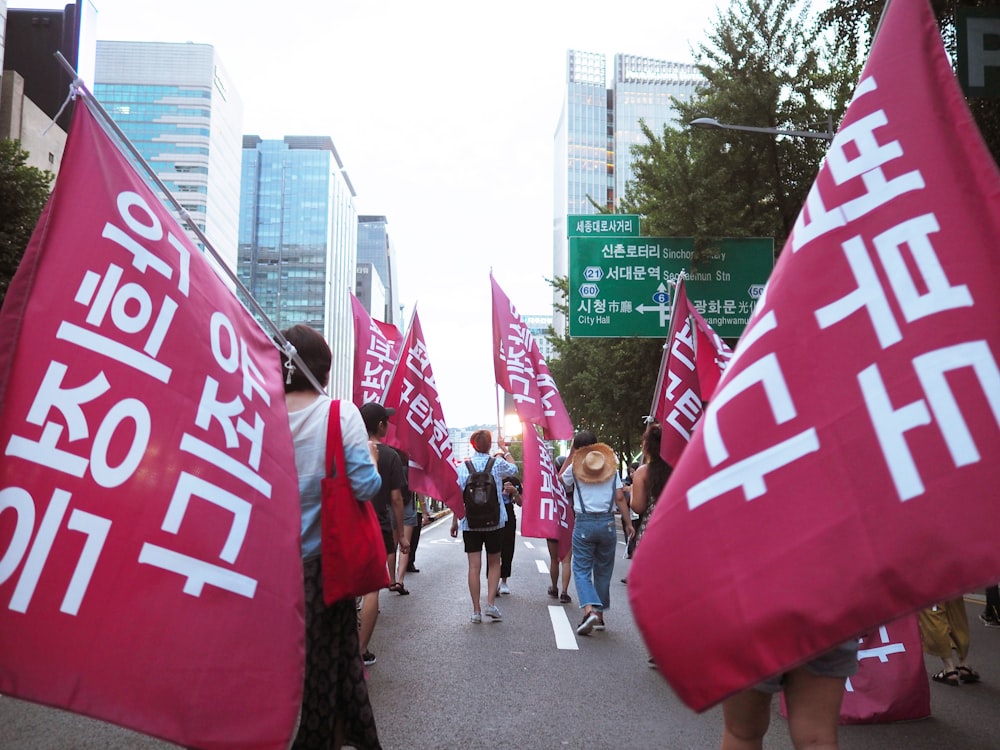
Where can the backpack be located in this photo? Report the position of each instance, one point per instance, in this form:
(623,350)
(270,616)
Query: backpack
(482,501)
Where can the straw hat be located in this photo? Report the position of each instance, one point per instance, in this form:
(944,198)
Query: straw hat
(595,464)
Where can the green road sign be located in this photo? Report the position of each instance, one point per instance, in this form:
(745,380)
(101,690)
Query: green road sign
(619,286)
(602,225)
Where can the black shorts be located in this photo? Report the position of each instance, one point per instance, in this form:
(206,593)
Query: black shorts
(474,541)
(389,542)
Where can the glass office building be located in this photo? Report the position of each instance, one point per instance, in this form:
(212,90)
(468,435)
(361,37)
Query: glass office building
(375,247)
(598,126)
(176,104)
(298,240)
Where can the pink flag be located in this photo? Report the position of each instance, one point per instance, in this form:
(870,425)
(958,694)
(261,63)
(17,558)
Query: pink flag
(891,682)
(418,426)
(545,511)
(376,349)
(678,404)
(856,430)
(521,371)
(713,354)
(149,515)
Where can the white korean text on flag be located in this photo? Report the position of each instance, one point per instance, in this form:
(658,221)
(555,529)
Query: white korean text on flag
(418,427)
(149,511)
(857,425)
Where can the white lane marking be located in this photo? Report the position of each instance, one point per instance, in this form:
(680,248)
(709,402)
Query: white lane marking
(528,544)
(543,566)
(565,635)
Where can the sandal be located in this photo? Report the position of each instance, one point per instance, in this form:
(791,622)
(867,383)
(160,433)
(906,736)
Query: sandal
(553,592)
(399,589)
(968,674)
(947,678)
(565,598)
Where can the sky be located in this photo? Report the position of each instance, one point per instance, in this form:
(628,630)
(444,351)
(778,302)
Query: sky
(443,113)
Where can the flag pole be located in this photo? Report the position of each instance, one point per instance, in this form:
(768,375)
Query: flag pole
(106,121)
(666,357)
(395,365)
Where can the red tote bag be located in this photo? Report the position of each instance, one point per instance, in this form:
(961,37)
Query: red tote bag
(353,553)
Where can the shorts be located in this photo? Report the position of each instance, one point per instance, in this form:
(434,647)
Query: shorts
(474,541)
(841,661)
(409,516)
(389,542)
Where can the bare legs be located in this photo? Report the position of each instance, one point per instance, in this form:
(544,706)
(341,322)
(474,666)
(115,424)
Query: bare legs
(403,561)
(813,713)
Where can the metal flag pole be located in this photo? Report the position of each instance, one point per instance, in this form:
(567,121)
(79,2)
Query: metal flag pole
(106,122)
(395,365)
(665,360)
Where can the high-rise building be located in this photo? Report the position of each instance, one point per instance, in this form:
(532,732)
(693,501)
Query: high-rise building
(178,107)
(34,85)
(375,247)
(597,128)
(298,240)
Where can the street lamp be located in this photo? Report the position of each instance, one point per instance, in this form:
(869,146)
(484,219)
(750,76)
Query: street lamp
(710,123)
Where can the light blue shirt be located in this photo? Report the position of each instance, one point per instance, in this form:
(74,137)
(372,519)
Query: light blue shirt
(501,468)
(309,426)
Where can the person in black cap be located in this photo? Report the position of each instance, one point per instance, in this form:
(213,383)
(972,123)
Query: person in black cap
(389,499)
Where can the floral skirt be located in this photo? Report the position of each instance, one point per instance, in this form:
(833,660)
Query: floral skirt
(335,691)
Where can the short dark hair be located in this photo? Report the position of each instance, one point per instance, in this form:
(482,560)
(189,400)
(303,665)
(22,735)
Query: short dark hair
(584,438)
(315,354)
(482,440)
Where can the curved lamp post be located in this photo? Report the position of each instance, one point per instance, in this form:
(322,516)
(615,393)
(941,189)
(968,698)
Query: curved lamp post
(710,123)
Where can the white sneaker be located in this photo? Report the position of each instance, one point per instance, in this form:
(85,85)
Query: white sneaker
(587,624)
(503,588)
(476,618)
(493,612)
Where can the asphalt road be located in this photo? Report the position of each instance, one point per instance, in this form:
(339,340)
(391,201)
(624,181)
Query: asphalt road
(530,682)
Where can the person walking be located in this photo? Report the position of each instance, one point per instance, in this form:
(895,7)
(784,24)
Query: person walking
(511,496)
(387,502)
(555,576)
(591,472)
(489,537)
(813,694)
(420,502)
(402,560)
(944,632)
(335,703)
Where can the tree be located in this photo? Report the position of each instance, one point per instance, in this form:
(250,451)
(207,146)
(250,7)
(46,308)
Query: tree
(854,22)
(763,66)
(23,192)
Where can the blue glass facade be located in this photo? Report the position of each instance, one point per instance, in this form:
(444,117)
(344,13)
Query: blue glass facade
(596,131)
(174,103)
(298,240)
(375,247)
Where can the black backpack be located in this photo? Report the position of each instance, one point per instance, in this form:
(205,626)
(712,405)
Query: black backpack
(482,501)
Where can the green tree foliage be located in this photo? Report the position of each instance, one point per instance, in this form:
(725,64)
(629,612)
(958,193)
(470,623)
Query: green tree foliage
(23,192)
(765,67)
(853,24)
(606,383)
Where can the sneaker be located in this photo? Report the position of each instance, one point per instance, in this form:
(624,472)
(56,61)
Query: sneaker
(587,624)
(599,625)
(989,621)
(476,618)
(503,588)
(493,612)
(369,658)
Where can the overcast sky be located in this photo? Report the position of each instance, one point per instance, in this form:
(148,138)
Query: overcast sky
(443,113)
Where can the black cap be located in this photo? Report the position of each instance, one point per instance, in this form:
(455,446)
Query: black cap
(374,413)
